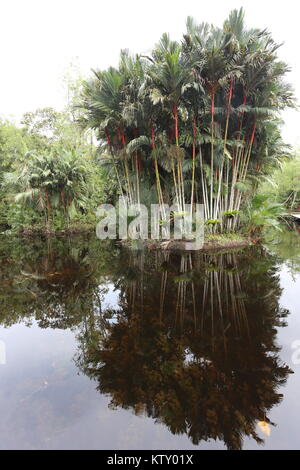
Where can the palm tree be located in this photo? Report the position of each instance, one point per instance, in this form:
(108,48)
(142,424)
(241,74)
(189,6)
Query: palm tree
(52,182)
(193,118)
(170,75)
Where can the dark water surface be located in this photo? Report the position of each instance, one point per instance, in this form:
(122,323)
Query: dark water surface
(104,348)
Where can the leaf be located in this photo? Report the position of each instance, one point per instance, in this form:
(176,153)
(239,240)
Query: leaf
(227,154)
(156,96)
(241,186)
(136,144)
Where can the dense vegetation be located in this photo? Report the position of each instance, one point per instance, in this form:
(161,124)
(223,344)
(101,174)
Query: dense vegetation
(197,121)
(191,340)
(49,174)
(284,186)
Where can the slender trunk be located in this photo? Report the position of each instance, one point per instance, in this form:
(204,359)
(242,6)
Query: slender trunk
(212,153)
(128,183)
(137,179)
(244,172)
(204,188)
(158,184)
(193,165)
(180,186)
(175,114)
(224,150)
(114,164)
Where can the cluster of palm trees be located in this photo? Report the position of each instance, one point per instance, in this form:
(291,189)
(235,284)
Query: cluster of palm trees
(50,182)
(195,121)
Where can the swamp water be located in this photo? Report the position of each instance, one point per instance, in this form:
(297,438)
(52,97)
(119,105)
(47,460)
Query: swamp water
(106,348)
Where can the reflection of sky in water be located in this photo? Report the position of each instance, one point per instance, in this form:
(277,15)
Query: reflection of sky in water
(286,435)
(111,298)
(45,403)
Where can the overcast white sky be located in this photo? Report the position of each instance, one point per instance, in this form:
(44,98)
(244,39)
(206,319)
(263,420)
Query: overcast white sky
(39,38)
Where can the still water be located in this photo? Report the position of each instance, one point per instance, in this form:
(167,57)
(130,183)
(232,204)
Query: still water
(105,348)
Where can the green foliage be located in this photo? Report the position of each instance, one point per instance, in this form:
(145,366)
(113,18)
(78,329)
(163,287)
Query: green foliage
(231,213)
(57,187)
(197,119)
(284,184)
(49,175)
(262,214)
(212,221)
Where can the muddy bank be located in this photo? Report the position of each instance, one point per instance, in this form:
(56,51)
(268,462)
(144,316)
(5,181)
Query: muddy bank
(210,244)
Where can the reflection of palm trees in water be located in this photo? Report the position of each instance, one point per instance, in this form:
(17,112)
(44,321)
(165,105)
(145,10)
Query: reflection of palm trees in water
(193,348)
(223,297)
(220,290)
(191,342)
(54,281)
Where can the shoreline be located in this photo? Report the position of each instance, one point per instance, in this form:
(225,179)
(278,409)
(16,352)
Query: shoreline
(212,243)
(49,233)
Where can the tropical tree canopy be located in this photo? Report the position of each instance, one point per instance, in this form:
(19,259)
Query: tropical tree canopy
(196,120)
(284,186)
(49,175)
(52,181)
